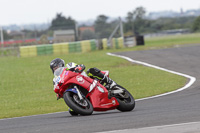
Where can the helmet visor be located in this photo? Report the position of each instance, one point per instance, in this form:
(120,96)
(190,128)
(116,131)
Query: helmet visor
(55,67)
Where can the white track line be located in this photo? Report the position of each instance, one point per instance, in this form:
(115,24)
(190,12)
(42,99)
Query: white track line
(192,79)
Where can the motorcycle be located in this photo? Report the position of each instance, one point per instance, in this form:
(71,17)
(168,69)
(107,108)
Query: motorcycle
(83,94)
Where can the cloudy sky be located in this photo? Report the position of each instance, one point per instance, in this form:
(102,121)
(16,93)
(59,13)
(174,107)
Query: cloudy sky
(43,11)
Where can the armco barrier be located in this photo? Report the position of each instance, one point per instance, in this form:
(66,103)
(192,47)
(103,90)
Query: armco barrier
(61,48)
(105,43)
(121,42)
(58,49)
(28,51)
(93,45)
(85,45)
(45,49)
(75,47)
(65,48)
(117,43)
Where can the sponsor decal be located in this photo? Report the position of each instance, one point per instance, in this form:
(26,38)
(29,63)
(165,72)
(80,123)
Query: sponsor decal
(94,83)
(62,78)
(58,79)
(80,79)
(106,104)
(100,89)
(57,87)
(107,73)
(113,102)
(67,73)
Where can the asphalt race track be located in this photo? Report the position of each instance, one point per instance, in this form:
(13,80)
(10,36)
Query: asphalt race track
(180,107)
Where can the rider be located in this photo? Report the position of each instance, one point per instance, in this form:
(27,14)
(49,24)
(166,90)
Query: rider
(92,72)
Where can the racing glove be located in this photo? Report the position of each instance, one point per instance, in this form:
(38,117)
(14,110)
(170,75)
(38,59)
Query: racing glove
(58,96)
(80,68)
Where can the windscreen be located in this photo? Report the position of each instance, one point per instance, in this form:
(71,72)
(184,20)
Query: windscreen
(58,71)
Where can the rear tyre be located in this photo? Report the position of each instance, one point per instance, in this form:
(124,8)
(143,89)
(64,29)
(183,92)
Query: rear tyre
(127,102)
(82,107)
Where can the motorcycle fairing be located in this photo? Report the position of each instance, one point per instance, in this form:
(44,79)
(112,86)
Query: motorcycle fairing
(72,90)
(98,97)
(100,100)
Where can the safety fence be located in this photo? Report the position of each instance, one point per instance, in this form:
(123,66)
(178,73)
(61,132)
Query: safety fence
(116,43)
(70,47)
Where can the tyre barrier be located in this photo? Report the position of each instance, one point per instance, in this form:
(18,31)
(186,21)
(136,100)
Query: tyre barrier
(58,49)
(68,47)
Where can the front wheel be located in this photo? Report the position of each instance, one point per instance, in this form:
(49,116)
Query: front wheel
(125,100)
(82,107)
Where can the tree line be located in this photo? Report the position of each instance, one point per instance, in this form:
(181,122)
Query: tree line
(134,23)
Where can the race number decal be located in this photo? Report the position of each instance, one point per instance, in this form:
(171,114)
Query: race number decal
(58,79)
(80,79)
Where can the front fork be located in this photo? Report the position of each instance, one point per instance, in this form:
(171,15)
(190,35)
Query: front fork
(78,93)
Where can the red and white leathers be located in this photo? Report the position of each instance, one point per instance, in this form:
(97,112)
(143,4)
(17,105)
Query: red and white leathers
(70,66)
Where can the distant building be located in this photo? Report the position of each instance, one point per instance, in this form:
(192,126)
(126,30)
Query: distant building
(85,29)
(64,36)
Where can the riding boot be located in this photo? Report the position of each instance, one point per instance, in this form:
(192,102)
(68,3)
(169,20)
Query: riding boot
(96,73)
(109,82)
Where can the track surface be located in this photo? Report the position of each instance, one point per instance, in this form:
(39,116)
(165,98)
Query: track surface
(181,107)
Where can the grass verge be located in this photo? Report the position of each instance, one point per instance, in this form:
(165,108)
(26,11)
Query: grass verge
(26,83)
(165,42)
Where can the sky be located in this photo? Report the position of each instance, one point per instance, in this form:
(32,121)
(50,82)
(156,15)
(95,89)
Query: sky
(43,11)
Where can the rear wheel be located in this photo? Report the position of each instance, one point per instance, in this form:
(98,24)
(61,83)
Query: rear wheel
(125,100)
(82,107)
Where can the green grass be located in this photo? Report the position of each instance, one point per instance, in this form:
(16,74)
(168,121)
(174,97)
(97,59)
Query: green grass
(165,42)
(26,83)
(174,40)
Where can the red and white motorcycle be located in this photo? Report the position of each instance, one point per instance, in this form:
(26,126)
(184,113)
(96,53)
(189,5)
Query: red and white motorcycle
(84,95)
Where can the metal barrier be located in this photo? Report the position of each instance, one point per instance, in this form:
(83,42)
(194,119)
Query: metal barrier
(59,48)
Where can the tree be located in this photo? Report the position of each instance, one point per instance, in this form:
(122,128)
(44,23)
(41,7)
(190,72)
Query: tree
(129,26)
(139,13)
(171,23)
(196,24)
(135,20)
(6,36)
(139,21)
(102,27)
(61,22)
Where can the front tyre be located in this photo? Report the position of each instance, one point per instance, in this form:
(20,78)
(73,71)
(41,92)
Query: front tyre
(73,113)
(82,107)
(125,100)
